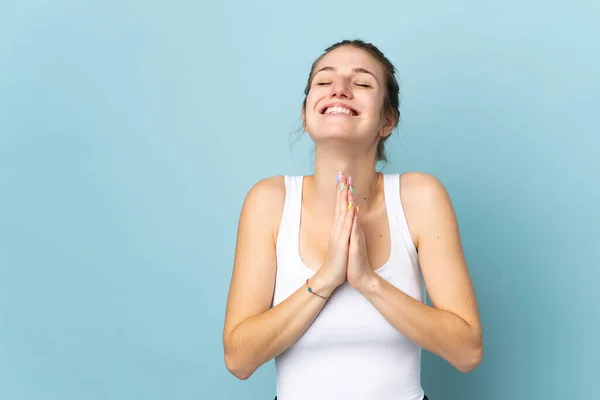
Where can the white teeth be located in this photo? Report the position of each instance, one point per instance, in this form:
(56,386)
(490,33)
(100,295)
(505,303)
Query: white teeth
(338,110)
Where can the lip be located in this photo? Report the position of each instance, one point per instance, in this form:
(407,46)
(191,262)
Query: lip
(326,106)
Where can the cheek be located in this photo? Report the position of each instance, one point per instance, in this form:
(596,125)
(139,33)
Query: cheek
(376,105)
(370,106)
(313,96)
(311,102)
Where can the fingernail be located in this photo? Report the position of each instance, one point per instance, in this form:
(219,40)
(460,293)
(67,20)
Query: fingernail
(349,206)
(351,188)
(357,209)
(339,177)
(350,180)
(342,187)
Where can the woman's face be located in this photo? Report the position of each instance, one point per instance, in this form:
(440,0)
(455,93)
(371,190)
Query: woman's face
(345,98)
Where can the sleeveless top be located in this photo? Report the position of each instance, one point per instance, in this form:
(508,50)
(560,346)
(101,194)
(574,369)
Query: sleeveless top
(350,351)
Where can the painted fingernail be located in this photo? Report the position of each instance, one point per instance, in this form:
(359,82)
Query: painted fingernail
(357,209)
(351,188)
(350,180)
(339,177)
(342,187)
(349,206)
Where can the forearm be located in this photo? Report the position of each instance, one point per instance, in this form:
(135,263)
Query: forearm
(438,331)
(258,339)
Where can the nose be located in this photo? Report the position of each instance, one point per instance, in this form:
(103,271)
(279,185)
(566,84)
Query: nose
(340,89)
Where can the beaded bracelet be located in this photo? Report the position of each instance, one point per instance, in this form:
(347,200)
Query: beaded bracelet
(316,294)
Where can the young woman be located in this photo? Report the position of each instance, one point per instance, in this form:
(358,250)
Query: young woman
(328,270)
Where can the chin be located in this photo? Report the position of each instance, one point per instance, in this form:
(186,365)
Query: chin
(333,129)
(332,133)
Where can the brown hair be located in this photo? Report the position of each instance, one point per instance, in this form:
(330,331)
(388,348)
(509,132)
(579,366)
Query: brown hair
(391,102)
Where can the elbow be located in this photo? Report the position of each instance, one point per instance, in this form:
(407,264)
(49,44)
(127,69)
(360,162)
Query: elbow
(237,368)
(470,360)
(235,362)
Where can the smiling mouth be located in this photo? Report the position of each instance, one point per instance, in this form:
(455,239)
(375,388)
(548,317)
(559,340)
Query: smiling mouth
(337,110)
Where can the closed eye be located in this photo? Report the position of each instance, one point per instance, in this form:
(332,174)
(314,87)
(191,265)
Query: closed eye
(322,83)
(363,85)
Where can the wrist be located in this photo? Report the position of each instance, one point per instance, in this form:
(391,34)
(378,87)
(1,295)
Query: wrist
(322,285)
(369,283)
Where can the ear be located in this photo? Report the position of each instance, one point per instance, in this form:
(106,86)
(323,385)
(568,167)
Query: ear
(388,125)
(303,119)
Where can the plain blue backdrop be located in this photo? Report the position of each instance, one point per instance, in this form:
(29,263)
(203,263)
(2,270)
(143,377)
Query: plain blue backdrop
(130,132)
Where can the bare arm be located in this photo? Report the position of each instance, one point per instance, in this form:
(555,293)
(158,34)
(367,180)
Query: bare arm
(451,329)
(254,333)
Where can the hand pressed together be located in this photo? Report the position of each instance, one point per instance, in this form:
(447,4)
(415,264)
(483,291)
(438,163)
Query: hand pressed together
(347,259)
(359,269)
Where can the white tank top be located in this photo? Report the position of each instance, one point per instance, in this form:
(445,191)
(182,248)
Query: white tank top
(350,352)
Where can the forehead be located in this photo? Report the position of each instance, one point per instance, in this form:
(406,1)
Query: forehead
(346,58)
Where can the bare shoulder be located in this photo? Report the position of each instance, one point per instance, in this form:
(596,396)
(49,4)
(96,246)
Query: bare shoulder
(271,189)
(265,200)
(425,199)
(418,187)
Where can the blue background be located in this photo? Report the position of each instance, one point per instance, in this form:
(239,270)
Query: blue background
(130,132)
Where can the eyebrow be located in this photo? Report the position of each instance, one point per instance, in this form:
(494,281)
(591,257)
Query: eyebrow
(355,70)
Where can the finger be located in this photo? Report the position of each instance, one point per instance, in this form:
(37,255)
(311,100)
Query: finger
(342,204)
(349,207)
(355,227)
(355,234)
(350,192)
(338,199)
(339,181)
(350,213)
(343,196)
(350,187)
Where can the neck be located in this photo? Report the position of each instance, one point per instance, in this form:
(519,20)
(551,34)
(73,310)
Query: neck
(360,167)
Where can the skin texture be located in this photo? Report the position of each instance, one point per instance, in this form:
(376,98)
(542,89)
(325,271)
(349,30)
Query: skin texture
(341,244)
